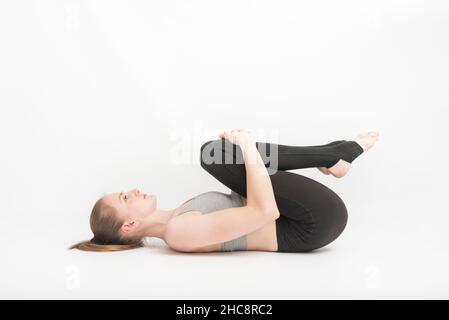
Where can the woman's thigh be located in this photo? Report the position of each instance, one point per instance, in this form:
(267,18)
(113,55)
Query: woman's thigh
(312,215)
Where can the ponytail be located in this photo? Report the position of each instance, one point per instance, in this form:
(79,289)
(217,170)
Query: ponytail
(92,245)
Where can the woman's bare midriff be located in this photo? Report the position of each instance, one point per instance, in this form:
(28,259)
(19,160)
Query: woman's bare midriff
(263,239)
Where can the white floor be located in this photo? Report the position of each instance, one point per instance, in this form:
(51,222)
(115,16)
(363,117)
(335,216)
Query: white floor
(105,96)
(354,267)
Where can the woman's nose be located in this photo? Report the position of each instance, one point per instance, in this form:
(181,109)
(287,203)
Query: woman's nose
(136,191)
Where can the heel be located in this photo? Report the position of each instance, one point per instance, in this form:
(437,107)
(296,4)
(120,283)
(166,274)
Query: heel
(342,168)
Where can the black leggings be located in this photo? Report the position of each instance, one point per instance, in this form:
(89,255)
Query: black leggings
(312,215)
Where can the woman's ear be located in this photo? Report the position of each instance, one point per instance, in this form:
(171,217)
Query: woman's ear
(128,227)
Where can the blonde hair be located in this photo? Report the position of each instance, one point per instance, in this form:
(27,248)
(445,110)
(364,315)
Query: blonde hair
(90,246)
(105,225)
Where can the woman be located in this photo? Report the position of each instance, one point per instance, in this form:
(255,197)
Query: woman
(279,212)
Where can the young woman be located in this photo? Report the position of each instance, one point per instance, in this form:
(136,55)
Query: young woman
(277,212)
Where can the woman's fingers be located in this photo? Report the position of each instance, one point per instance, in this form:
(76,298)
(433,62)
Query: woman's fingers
(224,135)
(235,135)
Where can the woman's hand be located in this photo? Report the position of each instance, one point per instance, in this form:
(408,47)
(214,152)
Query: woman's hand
(240,136)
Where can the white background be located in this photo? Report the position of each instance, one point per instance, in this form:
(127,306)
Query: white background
(98,96)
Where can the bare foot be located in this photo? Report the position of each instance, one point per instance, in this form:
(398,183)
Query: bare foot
(324,170)
(340,169)
(366,140)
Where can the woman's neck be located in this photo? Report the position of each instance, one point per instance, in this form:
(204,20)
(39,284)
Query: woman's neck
(156,224)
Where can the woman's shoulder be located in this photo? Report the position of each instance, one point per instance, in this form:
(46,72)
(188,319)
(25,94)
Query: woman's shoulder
(176,224)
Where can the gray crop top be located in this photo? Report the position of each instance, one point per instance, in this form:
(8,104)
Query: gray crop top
(212,201)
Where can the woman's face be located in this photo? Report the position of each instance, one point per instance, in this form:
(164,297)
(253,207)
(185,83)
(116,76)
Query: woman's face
(132,204)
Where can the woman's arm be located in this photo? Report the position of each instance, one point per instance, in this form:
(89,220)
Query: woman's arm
(259,190)
(189,232)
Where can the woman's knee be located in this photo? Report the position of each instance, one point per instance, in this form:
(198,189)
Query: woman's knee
(210,152)
(220,151)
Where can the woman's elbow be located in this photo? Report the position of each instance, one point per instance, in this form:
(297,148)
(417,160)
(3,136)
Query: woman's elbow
(272,212)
